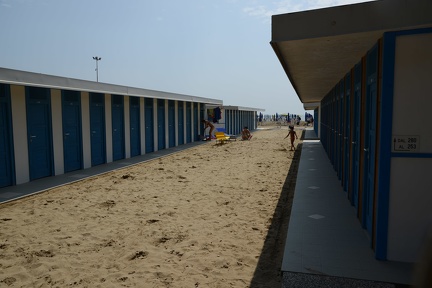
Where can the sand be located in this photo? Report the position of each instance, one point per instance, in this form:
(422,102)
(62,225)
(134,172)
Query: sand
(210,216)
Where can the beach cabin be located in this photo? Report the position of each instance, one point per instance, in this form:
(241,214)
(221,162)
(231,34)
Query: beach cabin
(232,119)
(365,70)
(238,117)
(52,125)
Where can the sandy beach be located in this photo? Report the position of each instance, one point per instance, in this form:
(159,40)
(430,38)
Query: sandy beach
(210,216)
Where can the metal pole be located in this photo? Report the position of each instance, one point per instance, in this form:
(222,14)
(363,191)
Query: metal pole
(97,67)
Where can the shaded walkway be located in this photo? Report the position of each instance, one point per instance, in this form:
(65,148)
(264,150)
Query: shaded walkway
(324,235)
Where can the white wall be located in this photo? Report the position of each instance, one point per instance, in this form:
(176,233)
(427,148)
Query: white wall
(57,131)
(19,125)
(127,126)
(411,183)
(85,113)
(410,207)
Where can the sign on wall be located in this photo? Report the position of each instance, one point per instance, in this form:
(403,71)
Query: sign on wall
(404,143)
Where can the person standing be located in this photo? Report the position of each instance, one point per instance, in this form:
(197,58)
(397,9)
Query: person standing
(208,124)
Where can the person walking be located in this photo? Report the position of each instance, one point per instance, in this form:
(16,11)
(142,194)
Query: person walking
(292,135)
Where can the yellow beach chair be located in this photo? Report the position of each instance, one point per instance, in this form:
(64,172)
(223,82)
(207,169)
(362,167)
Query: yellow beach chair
(221,137)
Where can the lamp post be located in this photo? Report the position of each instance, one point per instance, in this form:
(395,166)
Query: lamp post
(97,68)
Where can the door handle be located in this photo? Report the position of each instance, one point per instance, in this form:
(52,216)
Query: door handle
(354,143)
(66,134)
(366,150)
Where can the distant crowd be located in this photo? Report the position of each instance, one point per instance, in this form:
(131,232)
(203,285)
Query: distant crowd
(286,119)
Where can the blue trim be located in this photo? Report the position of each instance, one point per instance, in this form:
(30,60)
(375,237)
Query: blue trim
(411,155)
(412,32)
(387,90)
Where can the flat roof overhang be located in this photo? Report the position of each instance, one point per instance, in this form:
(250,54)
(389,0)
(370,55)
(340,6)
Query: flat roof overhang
(242,108)
(318,47)
(16,77)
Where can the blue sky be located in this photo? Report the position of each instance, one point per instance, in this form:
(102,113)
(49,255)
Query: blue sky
(209,48)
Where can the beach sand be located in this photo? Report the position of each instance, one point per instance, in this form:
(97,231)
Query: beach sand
(210,216)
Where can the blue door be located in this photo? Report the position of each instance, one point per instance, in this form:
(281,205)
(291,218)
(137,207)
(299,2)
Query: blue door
(180,123)
(356,136)
(6,164)
(171,123)
(370,136)
(39,132)
(188,122)
(338,127)
(161,123)
(347,131)
(149,130)
(134,112)
(341,128)
(235,122)
(201,117)
(118,138)
(334,129)
(72,143)
(228,121)
(195,122)
(97,128)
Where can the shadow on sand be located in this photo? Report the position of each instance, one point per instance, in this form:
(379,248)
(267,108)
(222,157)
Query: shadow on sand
(268,271)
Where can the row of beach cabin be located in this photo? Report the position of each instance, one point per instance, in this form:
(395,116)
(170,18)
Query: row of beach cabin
(53,125)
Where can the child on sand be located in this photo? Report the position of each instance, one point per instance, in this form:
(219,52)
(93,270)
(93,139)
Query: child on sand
(246,135)
(292,134)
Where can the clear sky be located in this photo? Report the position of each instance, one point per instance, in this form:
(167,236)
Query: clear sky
(209,48)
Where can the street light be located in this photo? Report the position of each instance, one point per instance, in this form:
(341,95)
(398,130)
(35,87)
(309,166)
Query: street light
(97,69)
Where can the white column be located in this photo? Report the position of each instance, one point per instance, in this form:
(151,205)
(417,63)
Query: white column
(127,126)
(57,128)
(19,126)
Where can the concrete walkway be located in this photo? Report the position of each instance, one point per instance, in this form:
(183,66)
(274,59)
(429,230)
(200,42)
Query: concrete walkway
(325,236)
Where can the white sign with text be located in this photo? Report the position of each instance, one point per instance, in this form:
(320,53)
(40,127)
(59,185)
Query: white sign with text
(404,143)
